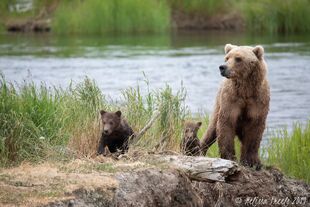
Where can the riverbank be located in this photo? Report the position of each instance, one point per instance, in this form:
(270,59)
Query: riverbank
(145,179)
(38,122)
(161,16)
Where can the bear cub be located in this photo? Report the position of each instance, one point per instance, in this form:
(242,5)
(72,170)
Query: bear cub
(115,133)
(190,144)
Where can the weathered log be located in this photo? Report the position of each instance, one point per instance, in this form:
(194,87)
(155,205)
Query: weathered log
(134,139)
(201,168)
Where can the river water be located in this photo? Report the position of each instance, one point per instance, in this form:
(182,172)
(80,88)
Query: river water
(117,62)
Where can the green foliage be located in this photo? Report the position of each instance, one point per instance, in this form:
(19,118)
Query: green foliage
(207,7)
(291,152)
(168,126)
(105,16)
(277,16)
(34,119)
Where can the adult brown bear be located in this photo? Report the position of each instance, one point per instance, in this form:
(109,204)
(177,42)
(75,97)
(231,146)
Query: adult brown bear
(242,105)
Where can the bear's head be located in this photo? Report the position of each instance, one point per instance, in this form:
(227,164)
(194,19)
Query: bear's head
(110,121)
(241,61)
(191,129)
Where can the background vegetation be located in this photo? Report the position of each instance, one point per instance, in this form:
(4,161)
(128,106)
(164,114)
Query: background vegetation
(154,16)
(37,122)
(291,153)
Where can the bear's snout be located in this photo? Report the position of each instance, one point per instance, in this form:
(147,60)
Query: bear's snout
(224,71)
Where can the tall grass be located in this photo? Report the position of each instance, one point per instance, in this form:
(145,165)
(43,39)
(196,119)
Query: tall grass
(277,16)
(291,152)
(106,16)
(36,120)
(167,130)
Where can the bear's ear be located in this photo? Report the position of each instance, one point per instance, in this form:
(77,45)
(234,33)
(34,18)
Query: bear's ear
(118,113)
(199,124)
(258,51)
(229,47)
(102,112)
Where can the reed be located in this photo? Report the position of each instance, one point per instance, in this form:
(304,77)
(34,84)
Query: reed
(105,16)
(290,151)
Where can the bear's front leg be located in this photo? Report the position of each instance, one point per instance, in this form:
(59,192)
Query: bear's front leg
(226,134)
(253,132)
(102,145)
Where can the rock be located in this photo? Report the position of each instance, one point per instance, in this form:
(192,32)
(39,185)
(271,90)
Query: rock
(153,187)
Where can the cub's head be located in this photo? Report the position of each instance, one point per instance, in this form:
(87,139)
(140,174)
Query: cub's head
(191,129)
(240,61)
(110,121)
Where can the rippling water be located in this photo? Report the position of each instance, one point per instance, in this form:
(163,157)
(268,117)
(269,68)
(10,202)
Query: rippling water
(189,59)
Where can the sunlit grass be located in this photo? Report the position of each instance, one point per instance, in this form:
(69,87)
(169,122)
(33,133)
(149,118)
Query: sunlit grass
(105,16)
(277,16)
(33,119)
(291,151)
(37,121)
(206,7)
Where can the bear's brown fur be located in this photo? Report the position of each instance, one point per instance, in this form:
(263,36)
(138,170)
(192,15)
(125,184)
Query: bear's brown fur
(190,144)
(115,134)
(242,104)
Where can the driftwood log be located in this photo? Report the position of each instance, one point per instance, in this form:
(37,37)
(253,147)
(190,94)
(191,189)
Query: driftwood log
(200,168)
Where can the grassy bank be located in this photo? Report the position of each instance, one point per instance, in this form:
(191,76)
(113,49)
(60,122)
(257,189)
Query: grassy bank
(291,152)
(105,16)
(277,16)
(38,122)
(154,16)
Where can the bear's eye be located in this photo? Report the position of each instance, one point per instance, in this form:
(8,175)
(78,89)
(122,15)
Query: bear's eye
(104,122)
(111,123)
(238,59)
(186,130)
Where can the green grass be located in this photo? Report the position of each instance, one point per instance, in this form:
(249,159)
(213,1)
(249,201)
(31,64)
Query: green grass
(205,7)
(37,121)
(291,152)
(154,16)
(277,16)
(105,16)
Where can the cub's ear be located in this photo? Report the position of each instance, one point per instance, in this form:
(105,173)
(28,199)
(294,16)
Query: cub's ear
(102,112)
(229,47)
(118,113)
(199,124)
(258,51)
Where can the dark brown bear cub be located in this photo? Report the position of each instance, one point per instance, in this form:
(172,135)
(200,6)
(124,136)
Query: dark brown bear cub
(190,144)
(115,133)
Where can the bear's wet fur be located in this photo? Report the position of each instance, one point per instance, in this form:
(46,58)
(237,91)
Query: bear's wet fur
(242,105)
(115,133)
(190,144)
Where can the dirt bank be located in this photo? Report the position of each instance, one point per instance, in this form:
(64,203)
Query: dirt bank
(196,21)
(143,181)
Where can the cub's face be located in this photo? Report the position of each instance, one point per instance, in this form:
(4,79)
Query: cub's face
(110,121)
(191,129)
(240,61)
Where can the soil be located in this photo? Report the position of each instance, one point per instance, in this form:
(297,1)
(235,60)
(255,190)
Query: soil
(139,181)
